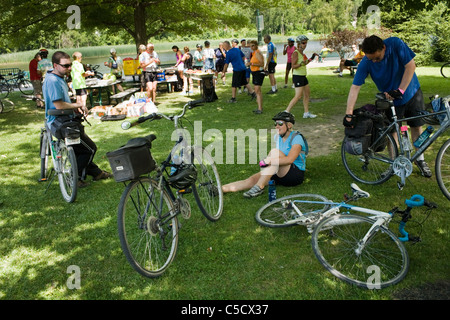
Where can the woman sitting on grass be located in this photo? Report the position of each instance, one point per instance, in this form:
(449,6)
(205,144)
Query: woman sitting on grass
(285,164)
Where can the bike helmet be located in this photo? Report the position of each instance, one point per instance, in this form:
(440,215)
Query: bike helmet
(285,116)
(302,38)
(184,177)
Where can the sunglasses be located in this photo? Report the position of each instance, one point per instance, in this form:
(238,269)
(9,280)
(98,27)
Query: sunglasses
(278,123)
(65,65)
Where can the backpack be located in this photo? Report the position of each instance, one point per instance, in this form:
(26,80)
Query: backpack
(296,133)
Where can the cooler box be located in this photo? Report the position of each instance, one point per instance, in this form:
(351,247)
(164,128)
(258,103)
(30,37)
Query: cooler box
(128,67)
(136,66)
(161,76)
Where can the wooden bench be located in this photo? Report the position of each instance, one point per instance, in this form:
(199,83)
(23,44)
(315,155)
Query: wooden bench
(124,94)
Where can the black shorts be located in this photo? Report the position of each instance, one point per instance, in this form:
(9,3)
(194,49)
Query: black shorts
(294,177)
(412,108)
(272,66)
(219,67)
(150,76)
(350,63)
(258,77)
(299,81)
(239,79)
(81,92)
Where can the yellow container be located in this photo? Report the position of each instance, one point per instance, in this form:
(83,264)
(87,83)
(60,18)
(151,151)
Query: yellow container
(128,67)
(136,66)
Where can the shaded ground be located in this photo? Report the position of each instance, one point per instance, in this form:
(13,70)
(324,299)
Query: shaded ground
(431,291)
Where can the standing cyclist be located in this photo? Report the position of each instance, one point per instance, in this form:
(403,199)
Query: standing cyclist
(390,64)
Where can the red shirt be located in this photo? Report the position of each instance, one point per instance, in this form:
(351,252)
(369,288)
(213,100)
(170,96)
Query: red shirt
(33,70)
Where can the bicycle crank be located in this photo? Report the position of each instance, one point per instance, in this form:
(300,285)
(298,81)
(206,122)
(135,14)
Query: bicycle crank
(403,168)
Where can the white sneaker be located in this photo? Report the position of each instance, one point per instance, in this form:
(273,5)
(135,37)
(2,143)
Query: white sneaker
(293,86)
(240,90)
(308,115)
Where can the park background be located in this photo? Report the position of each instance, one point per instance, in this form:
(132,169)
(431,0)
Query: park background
(235,258)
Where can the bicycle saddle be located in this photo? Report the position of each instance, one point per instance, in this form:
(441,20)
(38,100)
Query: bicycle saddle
(358,192)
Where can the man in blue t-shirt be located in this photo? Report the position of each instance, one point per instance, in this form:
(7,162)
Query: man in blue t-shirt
(236,58)
(390,64)
(56,96)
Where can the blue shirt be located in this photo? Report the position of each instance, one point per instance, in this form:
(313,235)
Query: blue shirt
(387,74)
(286,146)
(272,49)
(54,89)
(234,56)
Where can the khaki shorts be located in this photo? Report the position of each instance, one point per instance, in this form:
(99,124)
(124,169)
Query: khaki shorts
(37,86)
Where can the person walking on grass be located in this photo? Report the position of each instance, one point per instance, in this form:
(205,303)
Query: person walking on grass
(299,62)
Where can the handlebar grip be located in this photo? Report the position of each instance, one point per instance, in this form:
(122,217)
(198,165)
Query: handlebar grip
(194,103)
(60,112)
(415,201)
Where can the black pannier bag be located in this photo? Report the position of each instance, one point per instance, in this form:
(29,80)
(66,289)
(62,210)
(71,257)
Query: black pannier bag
(66,127)
(132,160)
(369,124)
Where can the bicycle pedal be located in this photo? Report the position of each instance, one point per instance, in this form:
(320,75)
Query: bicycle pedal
(185,191)
(42,180)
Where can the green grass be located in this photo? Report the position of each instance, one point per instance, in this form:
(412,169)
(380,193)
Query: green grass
(234,258)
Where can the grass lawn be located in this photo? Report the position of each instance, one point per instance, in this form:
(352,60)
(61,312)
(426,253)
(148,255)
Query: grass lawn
(41,236)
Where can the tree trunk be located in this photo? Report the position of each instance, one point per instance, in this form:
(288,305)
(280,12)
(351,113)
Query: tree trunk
(140,36)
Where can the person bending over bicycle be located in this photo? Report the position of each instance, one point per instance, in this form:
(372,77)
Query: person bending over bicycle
(56,96)
(285,164)
(390,64)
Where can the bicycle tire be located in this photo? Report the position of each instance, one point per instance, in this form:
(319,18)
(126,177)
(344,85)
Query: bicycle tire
(45,154)
(445,70)
(371,167)
(26,87)
(4,90)
(275,214)
(143,238)
(207,188)
(442,168)
(67,172)
(383,261)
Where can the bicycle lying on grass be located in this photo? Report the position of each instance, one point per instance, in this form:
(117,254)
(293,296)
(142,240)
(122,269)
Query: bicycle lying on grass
(149,207)
(375,165)
(360,250)
(445,70)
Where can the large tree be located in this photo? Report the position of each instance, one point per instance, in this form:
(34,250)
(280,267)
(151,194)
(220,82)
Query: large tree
(22,20)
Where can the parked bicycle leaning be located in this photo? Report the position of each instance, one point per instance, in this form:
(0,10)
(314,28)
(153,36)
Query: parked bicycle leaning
(56,96)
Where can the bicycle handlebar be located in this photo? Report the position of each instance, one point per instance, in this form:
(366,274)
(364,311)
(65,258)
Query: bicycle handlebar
(156,116)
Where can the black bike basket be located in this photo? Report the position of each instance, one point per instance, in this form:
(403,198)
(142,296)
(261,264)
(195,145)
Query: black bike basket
(131,160)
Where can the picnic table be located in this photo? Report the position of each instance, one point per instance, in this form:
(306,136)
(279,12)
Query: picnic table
(100,85)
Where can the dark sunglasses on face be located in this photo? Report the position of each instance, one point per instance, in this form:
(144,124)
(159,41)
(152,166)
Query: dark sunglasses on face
(278,123)
(65,65)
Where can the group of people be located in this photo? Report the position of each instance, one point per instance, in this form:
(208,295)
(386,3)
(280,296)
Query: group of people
(390,64)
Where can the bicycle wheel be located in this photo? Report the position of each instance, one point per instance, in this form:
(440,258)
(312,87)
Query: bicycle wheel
(383,260)
(4,90)
(26,87)
(45,154)
(445,70)
(282,212)
(443,168)
(148,228)
(371,167)
(67,172)
(207,188)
